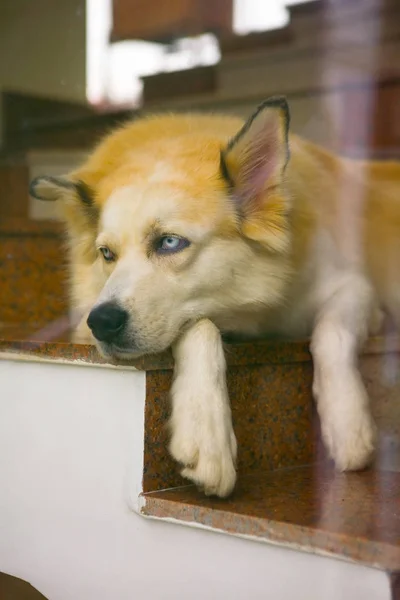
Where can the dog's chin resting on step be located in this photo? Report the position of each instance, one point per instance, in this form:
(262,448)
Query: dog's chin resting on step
(181,227)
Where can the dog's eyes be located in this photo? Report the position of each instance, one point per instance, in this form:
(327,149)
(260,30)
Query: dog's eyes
(108,255)
(169,244)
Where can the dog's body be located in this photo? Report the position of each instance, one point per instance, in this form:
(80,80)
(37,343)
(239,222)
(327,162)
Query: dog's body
(202,229)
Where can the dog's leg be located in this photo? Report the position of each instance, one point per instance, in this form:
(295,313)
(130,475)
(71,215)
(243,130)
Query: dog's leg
(341,326)
(202,437)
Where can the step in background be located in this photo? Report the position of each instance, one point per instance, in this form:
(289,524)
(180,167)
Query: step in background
(33,274)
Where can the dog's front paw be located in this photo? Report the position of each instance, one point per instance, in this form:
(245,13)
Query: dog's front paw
(207,450)
(351,447)
(349,431)
(210,465)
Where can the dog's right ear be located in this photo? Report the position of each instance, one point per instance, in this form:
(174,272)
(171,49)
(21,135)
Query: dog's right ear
(61,188)
(77,198)
(78,209)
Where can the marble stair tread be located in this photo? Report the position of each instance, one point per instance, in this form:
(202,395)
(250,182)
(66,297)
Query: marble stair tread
(23,226)
(19,340)
(31,333)
(13,588)
(32,273)
(350,516)
(36,343)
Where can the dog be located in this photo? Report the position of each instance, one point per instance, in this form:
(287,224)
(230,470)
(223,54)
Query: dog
(182,227)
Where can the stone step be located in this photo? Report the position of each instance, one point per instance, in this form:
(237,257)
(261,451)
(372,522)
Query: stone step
(32,274)
(288,492)
(269,384)
(13,588)
(312,508)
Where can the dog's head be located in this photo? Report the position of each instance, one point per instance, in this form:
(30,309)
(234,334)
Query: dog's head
(176,218)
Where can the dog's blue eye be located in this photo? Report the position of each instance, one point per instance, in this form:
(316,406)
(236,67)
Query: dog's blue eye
(169,244)
(108,255)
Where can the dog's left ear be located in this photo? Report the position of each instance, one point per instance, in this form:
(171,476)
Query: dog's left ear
(253,164)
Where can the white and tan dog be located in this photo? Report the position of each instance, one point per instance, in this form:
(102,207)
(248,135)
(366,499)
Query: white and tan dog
(183,226)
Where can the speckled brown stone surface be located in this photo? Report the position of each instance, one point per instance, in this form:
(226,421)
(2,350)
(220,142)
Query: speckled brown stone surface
(29,339)
(351,516)
(14,342)
(272,413)
(32,278)
(381,374)
(160,470)
(14,196)
(17,336)
(395,585)
(20,227)
(272,352)
(13,588)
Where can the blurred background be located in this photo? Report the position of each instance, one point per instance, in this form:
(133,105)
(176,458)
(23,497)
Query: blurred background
(71,70)
(337,61)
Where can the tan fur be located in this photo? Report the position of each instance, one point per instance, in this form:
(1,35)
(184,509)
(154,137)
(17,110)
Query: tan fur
(328,192)
(316,251)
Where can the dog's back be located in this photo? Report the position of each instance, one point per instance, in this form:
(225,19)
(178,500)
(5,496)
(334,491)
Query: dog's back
(346,219)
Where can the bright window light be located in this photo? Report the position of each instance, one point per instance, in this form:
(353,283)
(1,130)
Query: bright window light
(113,71)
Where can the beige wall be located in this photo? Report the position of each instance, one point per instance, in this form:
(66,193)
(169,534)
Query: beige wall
(42,47)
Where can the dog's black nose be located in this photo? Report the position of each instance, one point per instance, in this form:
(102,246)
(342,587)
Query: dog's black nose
(107,321)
